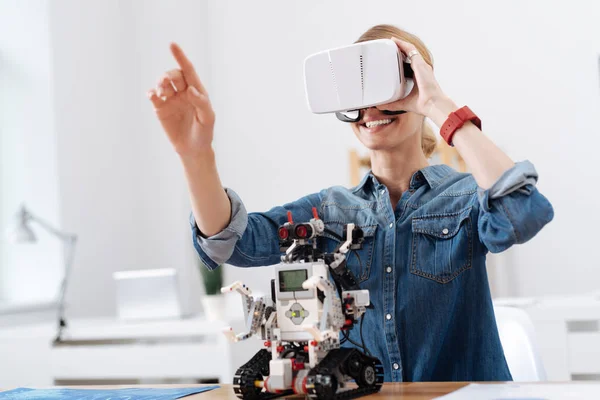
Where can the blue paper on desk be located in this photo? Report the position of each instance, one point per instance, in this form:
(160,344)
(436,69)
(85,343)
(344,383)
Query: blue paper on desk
(102,394)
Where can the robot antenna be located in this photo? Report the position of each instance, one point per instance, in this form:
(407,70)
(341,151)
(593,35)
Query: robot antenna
(315,214)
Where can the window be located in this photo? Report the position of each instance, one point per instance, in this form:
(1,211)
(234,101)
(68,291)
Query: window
(28,167)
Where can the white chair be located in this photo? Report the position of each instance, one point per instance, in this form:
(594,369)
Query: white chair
(517,336)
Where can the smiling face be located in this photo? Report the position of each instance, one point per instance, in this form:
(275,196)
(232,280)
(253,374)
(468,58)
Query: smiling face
(378,131)
(406,130)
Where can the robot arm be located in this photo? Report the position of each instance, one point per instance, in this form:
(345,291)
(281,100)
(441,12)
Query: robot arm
(346,245)
(332,318)
(243,290)
(254,311)
(343,277)
(355,301)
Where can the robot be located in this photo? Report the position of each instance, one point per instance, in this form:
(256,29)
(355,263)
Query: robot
(314,300)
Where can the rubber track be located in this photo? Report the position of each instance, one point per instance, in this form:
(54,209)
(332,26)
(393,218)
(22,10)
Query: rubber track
(330,365)
(243,380)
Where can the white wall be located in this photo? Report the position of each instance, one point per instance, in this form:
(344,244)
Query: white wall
(28,170)
(528,68)
(121,186)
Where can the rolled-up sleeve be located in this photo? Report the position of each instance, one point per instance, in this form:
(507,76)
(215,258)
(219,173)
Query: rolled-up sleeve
(217,249)
(512,211)
(250,239)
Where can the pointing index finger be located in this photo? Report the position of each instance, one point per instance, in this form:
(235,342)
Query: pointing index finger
(187,68)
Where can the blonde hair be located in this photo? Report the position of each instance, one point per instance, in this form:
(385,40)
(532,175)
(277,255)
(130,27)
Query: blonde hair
(428,138)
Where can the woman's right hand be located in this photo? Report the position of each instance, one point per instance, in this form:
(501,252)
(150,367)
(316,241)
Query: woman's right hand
(183,108)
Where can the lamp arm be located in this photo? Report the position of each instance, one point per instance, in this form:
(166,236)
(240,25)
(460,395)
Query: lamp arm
(69,241)
(60,234)
(69,256)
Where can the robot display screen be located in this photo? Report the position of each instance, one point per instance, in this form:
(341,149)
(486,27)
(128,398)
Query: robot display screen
(291,281)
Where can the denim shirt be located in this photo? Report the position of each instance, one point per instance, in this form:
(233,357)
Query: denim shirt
(423,262)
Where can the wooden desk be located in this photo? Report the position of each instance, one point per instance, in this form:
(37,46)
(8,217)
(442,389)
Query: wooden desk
(397,391)
(402,391)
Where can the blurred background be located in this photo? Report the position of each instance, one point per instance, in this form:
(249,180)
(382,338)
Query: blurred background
(82,150)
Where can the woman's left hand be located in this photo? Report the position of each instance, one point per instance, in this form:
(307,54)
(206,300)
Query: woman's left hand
(426,89)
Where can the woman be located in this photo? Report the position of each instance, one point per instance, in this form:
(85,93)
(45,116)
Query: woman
(427,228)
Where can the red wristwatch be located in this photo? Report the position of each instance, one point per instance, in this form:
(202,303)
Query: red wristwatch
(456,120)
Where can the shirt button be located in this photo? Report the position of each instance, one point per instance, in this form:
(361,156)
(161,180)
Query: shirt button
(388,269)
(391,225)
(388,316)
(395,365)
(445,231)
(382,192)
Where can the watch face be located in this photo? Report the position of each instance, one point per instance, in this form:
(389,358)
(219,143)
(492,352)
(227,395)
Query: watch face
(464,113)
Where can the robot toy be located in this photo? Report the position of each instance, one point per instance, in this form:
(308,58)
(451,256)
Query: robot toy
(314,299)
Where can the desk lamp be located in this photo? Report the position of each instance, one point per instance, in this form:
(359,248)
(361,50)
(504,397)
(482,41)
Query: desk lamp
(21,232)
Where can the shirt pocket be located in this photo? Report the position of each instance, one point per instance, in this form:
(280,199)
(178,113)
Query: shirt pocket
(442,245)
(358,261)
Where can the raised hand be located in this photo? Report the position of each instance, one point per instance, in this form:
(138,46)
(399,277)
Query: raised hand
(183,108)
(426,89)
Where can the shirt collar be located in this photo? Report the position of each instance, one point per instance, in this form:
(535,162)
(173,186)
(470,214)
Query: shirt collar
(432,174)
(435,174)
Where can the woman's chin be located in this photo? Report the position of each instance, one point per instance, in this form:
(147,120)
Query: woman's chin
(375,143)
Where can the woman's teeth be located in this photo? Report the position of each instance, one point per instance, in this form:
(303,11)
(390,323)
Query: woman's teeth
(372,124)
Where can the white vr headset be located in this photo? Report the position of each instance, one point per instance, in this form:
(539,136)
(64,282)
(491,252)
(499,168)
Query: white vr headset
(346,79)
